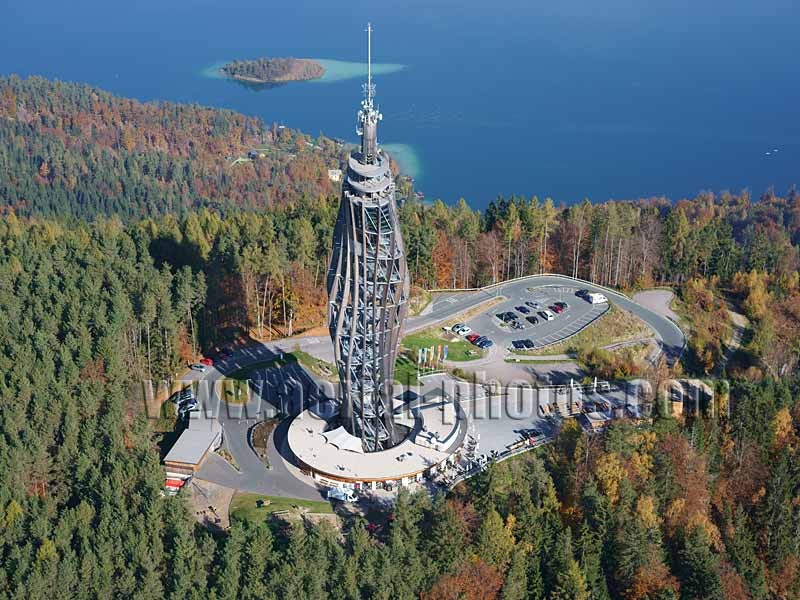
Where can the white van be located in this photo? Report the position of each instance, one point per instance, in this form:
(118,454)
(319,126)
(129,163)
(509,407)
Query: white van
(547,315)
(341,494)
(596,298)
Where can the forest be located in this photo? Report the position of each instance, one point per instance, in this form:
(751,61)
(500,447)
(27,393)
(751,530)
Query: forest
(274,70)
(72,150)
(702,509)
(128,246)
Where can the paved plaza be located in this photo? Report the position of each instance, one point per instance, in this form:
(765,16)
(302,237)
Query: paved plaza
(498,418)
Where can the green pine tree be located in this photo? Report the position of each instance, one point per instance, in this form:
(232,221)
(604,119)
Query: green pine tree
(516,584)
(698,568)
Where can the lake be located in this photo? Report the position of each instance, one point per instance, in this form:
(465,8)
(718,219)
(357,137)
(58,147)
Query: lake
(564,99)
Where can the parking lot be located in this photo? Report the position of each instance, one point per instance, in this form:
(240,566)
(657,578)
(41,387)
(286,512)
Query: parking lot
(578,314)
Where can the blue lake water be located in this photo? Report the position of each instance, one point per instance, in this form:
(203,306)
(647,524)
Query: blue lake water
(567,99)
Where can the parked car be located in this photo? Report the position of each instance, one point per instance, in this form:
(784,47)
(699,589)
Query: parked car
(207,362)
(341,494)
(517,325)
(486,343)
(533,305)
(557,309)
(582,293)
(563,305)
(528,344)
(199,367)
(457,328)
(518,345)
(533,320)
(523,309)
(465,330)
(596,298)
(472,337)
(185,409)
(477,341)
(546,315)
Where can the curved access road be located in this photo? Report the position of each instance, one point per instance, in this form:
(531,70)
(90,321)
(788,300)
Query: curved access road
(282,479)
(446,304)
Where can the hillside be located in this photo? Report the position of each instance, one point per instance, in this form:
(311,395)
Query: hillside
(72,149)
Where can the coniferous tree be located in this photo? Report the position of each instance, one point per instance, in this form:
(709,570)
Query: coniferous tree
(699,568)
(516,584)
(495,540)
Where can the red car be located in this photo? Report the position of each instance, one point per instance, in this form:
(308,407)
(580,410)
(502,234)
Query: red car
(473,336)
(557,309)
(207,362)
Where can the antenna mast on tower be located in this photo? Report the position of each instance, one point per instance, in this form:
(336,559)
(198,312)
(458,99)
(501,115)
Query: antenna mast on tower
(369,62)
(368,116)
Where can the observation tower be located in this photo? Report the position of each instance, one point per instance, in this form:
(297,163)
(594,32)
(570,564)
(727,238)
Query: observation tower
(368,285)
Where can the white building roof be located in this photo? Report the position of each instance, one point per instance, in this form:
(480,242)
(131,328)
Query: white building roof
(192,446)
(436,431)
(344,440)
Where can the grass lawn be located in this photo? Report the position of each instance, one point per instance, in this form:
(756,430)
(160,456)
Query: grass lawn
(235,391)
(527,361)
(615,326)
(637,352)
(244,506)
(458,348)
(317,366)
(406,372)
(419,300)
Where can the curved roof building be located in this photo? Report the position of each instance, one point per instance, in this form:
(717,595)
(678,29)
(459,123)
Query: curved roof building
(368,285)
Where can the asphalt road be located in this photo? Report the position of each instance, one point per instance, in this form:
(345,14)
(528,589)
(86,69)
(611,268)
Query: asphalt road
(668,334)
(283,479)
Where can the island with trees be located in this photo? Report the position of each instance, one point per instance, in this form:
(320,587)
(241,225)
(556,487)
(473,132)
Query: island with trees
(273,70)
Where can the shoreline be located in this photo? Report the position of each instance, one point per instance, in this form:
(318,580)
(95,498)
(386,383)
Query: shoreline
(266,81)
(270,71)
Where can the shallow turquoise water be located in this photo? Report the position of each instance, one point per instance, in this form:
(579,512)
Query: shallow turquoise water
(342,70)
(407,159)
(335,70)
(568,99)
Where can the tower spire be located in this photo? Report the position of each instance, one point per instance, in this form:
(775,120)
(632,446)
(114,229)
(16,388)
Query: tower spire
(369,63)
(368,116)
(368,285)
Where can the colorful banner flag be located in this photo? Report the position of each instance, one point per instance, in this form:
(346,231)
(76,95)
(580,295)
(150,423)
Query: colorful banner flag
(445,353)
(433,351)
(439,354)
(419,356)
